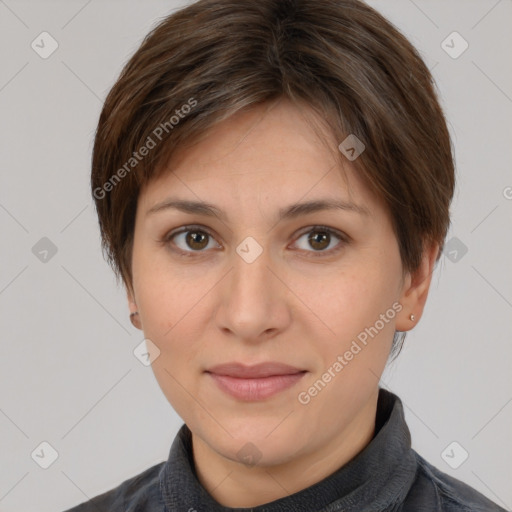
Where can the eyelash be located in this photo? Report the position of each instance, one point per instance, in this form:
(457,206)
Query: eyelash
(344,239)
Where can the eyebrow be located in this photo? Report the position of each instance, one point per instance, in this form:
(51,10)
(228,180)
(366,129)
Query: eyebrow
(290,212)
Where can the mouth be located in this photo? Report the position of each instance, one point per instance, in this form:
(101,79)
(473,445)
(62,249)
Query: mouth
(253,383)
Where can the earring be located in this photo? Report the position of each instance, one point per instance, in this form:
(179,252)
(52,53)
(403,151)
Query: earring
(412,317)
(132,317)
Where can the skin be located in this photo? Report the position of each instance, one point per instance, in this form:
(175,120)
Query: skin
(298,303)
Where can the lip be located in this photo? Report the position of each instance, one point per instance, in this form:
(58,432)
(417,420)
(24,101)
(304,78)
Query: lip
(257,382)
(243,371)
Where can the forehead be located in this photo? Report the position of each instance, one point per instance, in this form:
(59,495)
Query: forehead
(280,151)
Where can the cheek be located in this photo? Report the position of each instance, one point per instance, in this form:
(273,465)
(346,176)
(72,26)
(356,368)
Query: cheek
(163,296)
(172,315)
(349,303)
(172,306)
(348,296)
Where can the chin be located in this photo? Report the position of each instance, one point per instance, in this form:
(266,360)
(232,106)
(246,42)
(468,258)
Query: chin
(260,445)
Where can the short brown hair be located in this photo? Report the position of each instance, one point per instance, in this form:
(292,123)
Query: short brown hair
(217,57)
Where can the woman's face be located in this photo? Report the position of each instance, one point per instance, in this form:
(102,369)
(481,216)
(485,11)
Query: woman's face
(261,282)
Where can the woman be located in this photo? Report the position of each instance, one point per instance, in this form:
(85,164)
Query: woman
(273,182)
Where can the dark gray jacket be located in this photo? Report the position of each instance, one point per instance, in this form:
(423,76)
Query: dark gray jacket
(387,476)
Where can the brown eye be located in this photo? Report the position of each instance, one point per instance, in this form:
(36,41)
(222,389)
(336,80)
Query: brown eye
(191,239)
(318,240)
(196,239)
(322,240)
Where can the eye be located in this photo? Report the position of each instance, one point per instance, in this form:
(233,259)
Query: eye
(190,237)
(319,238)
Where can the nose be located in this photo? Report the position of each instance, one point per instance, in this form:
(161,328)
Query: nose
(252,305)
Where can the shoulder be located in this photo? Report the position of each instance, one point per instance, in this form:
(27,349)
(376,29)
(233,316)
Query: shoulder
(134,494)
(434,490)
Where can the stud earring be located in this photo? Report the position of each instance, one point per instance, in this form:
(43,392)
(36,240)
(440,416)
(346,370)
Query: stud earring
(412,317)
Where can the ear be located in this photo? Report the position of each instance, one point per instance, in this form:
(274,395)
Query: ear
(415,290)
(132,305)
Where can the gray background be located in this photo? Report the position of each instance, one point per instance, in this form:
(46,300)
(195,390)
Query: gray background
(68,375)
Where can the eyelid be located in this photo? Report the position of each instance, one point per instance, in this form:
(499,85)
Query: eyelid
(321,227)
